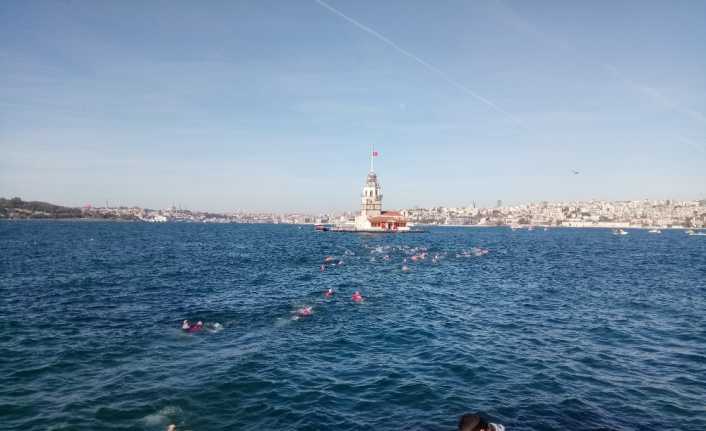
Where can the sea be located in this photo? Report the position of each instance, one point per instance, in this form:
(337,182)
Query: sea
(564,329)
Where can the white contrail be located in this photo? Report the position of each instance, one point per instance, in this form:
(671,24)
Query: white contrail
(654,94)
(693,145)
(520,23)
(443,75)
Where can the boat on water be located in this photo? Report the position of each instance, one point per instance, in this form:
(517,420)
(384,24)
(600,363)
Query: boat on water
(691,232)
(619,232)
(654,231)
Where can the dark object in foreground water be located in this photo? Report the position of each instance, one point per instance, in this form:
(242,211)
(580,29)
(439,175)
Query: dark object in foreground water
(476,422)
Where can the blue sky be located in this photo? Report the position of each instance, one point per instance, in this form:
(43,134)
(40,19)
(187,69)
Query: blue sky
(272,105)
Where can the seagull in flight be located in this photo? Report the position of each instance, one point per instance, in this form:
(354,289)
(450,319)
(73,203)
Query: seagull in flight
(575,172)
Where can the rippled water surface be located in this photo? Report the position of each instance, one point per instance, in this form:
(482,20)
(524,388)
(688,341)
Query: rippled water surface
(563,329)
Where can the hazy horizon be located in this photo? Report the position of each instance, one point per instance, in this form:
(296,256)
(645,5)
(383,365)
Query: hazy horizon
(487,205)
(272,107)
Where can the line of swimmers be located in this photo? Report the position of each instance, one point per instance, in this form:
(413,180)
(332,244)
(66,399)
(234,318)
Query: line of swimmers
(306,311)
(356,297)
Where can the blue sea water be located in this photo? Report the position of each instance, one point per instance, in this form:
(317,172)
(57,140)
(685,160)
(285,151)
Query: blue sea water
(566,329)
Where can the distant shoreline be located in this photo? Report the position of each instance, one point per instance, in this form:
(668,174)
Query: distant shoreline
(72,219)
(524,227)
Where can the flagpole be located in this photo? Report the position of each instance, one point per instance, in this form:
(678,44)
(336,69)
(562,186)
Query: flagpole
(372,151)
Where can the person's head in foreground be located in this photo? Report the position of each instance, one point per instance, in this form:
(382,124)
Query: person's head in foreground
(475,422)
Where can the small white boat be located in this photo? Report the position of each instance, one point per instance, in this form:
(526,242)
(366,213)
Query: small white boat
(654,231)
(690,232)
(619,232)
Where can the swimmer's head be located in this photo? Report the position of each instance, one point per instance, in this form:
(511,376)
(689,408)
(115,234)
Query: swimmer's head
(200,323)
(171,427)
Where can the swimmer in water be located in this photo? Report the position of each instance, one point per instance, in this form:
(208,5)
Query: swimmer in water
(214,327)
(171,427)
(405,268)
(329,292)
(196,327)
(305,312)
(185,325)
(357,297)
(323,268)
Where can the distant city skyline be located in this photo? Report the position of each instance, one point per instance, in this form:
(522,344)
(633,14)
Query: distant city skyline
(272,106)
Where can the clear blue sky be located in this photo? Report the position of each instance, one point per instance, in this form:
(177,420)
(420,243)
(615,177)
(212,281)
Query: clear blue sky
(272,105)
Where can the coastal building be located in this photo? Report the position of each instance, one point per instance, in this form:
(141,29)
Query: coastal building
(372,218)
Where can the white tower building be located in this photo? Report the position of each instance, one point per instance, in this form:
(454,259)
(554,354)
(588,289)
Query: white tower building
(372,218)
(371,199)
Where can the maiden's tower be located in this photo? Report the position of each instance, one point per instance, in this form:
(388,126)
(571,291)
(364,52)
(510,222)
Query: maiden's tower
(372,218)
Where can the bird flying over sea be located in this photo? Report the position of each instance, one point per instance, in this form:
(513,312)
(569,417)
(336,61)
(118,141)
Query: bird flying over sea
(575,172)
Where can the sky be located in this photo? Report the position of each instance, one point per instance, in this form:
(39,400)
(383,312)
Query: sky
(273,105)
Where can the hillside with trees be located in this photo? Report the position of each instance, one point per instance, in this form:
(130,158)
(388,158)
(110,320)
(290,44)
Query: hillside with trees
(16,208)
